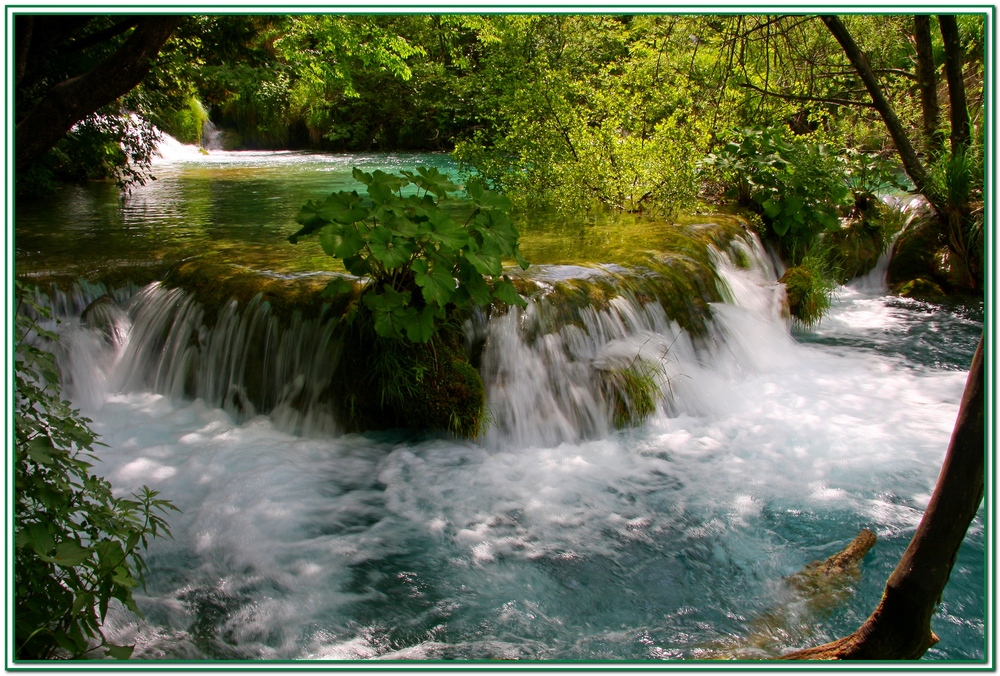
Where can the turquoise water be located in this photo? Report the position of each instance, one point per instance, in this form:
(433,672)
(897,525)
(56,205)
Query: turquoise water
(548,538)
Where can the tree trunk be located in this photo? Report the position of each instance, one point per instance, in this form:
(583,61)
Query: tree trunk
(927,81)
(960,124)
(72,100)
(900,627)
(914,169)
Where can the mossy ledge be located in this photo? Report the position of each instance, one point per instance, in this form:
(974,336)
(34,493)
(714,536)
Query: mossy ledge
(383,383)
(215,285)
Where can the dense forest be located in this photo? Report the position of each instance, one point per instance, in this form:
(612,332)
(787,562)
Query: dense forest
(835,140)
(647,114)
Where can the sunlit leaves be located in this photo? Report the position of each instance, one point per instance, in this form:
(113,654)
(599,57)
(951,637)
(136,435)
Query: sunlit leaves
(431,180)
(796,185)
(419,259)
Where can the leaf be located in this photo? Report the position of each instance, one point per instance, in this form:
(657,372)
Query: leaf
(391,181)
(475,189)
(524,264)
(40,450)
(402,226)
(119,652)
(390,251)
(497,228)
(505,291)
(432,180)
(69,554)
(389,311)
(341,241)
(490,200)
(793,204)
(420,326)
(343,207)
(361,176)
(39,537)
(310,224)
(435,282)
(123,577)
(471,286)
(486,262)
(447,232)
(380,193)
(357,265)
(338,286)
(771,208)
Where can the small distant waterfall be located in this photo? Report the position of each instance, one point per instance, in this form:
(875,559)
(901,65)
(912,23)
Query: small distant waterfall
(211,136)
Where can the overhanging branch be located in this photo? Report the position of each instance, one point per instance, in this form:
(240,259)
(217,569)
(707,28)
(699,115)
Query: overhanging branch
(817,99)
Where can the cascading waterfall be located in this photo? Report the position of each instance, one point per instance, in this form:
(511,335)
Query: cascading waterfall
(554,536)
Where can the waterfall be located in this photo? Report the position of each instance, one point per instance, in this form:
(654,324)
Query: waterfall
(549,378)
(211,136)
(555,535)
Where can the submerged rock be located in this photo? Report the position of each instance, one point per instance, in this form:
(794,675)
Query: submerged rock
(105,315)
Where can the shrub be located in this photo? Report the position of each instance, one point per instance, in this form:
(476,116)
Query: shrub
(76,545)
(797,187)
(418,260)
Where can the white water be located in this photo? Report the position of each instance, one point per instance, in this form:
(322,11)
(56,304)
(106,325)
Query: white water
(553,537)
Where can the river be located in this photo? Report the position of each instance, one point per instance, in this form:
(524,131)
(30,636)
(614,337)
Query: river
(552,537)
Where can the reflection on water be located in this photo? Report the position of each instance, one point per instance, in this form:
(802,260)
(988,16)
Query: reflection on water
(240,207)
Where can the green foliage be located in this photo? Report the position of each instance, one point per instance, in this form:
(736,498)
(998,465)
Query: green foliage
(419,260)
(808,286)
(585,110)
(633,391)
(956,179)
(869,174)
(76,545)
(110,144)
(796,186)
(186,123)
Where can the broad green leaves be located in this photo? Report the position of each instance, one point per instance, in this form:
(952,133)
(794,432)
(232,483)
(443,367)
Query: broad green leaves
(796,185)
(421,262)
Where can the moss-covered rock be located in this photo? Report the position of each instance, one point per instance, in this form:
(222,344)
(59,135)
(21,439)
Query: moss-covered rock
(913,255)
(215,285)
(807,291)
(633,392)
(921,287)
(384,383)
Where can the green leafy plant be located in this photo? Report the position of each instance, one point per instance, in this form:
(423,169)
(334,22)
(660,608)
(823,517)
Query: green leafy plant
(798,187)
(808,286)
(418,260)
(76,545)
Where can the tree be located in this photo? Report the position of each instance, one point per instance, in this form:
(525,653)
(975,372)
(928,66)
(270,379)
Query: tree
(951,194)
(900,627)
(53,95)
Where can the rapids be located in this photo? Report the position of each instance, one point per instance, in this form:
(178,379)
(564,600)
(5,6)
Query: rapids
(553,536)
